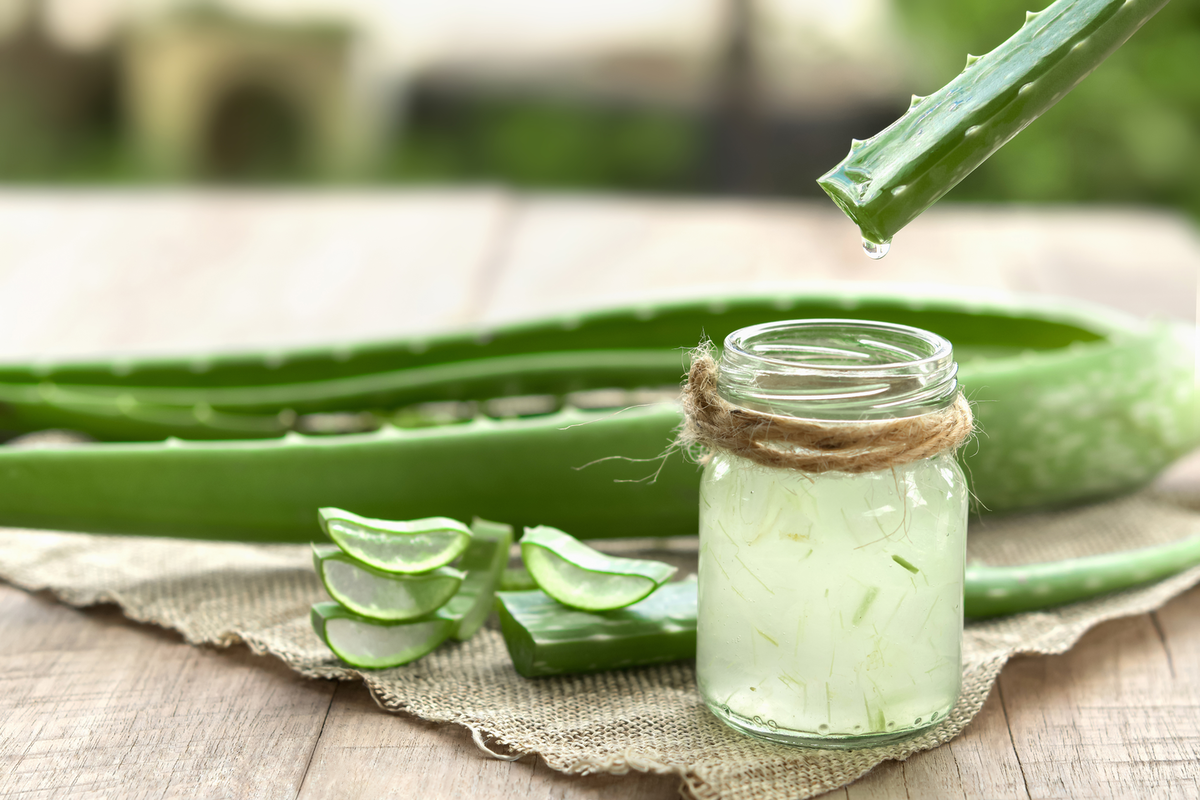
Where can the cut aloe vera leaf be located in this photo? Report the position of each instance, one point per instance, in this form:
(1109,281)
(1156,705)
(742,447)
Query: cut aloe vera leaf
(545,637)
(376,644)
(888,180)
(586,579)
(993,591)
(484,562)
(383,595)
(413,546)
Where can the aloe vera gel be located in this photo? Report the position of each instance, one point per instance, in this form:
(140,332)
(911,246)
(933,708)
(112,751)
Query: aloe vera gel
(830,604)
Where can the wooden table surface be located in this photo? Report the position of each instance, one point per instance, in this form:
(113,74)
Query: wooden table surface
(93,705)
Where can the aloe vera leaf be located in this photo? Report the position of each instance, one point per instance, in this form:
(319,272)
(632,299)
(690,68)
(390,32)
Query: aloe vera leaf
(375,644)
(888,180)
(536,373)
(381,595)
(992,591)
(1023,364)
(545,637)
(404,546)
(663,325)
(52,400)
(484,562)
(586,579)
(123,417)
(525,470)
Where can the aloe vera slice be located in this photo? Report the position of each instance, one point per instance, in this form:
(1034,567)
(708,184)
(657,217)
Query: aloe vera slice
(369,643)
(546,638)
(586,579)
(383,595)
(888,180)
(484,562)
(375,644)
(419,545)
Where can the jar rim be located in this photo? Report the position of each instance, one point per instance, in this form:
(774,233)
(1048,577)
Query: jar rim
(834,369)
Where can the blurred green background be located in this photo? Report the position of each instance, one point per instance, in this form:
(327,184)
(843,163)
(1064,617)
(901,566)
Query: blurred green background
(726,122)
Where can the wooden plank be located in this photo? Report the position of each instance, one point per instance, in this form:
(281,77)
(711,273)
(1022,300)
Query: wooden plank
(101,272)
(93,705)
(980,764)
(373,755)
(1108,718)
(586,252)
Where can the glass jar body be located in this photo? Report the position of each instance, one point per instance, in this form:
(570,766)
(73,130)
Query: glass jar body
(830,605)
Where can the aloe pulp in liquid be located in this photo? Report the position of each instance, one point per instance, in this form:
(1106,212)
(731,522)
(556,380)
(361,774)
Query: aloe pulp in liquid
(831,604)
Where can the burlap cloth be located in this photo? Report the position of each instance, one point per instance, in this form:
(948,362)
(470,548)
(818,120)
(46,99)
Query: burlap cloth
(648,719)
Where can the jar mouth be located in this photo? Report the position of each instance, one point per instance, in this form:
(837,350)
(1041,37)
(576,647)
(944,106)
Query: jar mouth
(837,369)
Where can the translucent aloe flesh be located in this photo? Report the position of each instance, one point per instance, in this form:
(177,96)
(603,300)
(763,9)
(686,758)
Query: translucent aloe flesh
(545,637)
(888,180)
(413,546)
(374,644)
(383,595)
(586,579)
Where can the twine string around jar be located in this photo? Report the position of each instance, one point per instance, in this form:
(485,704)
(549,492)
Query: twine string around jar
(810,445)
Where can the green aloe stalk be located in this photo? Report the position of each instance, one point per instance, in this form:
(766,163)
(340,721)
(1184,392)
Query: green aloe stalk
(545,637)
(888,180)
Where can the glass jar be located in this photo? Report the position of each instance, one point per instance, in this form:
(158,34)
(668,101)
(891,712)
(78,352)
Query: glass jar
(830,608)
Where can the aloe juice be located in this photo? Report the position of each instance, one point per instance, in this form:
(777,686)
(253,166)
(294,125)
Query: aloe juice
(830,605)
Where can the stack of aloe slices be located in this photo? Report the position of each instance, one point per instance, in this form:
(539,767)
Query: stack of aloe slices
(396,597)
(592,611)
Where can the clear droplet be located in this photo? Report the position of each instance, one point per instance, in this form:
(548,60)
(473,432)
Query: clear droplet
(772,725)
(822,728)
(876,250)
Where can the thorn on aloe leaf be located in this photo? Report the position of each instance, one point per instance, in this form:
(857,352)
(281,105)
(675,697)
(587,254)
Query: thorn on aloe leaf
(916,101)
(1030,16)
(971,60)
